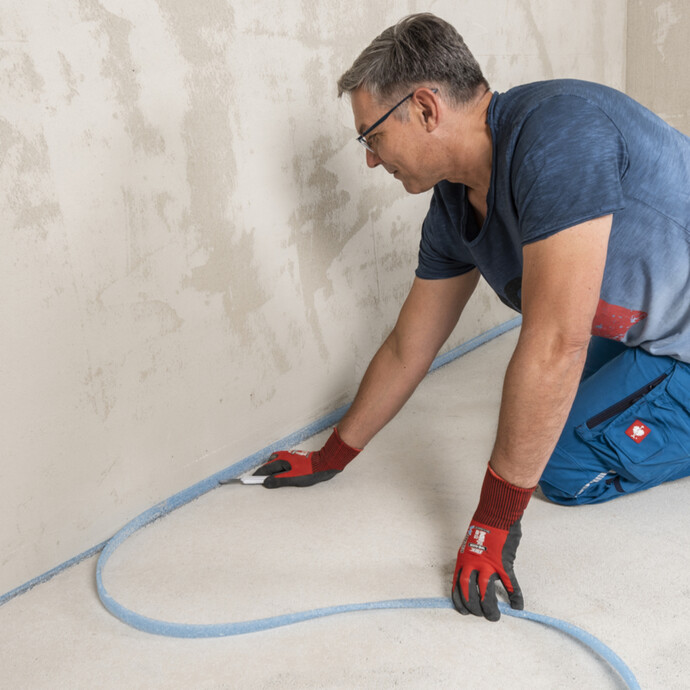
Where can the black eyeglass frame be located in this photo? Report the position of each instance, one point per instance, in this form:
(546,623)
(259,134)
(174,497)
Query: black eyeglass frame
(362,138)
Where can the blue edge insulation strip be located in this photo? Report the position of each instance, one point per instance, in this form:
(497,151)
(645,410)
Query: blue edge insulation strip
(185,630)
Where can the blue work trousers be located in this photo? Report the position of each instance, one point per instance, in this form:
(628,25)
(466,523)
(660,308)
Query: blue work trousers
(628,429)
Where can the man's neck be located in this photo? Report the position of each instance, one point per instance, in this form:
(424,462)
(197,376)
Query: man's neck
(471,146)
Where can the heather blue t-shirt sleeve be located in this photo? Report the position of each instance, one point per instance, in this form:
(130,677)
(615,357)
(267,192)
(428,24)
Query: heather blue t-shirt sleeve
(567,167)
(442,254)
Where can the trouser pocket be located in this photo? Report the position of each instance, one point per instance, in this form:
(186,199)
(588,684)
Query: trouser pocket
(645,437)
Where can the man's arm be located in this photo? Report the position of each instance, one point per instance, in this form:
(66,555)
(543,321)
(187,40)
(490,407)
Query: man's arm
(561,283)
(427,318)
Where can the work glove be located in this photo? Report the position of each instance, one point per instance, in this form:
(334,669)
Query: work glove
(488,551)
(301,468)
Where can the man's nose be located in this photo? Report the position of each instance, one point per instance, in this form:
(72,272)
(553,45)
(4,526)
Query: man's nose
(372,159)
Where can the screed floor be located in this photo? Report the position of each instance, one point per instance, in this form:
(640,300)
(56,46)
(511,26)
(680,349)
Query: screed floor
(388,527)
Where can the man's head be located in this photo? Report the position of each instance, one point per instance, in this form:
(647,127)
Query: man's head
(403,87)
(419,50)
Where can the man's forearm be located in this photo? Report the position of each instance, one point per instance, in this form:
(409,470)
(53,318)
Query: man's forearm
(427,318)
(387,385)
(538,392)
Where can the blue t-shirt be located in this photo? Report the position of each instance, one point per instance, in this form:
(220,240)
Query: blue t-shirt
(565,152)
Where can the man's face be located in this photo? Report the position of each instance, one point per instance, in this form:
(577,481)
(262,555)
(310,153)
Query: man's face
(398,145)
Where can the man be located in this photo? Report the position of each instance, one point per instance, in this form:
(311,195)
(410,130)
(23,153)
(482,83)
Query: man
(573,202)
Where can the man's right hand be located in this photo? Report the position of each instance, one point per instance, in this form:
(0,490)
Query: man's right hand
(300,468)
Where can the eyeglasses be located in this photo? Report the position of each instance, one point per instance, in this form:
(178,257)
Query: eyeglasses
(362,138)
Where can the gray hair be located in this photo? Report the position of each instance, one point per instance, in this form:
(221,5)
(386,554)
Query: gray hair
(421,49)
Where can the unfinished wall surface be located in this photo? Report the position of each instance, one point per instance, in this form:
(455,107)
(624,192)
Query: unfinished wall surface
(658,55)
(195,260)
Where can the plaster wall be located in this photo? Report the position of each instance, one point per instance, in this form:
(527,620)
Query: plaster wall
(194,259)
(658,54)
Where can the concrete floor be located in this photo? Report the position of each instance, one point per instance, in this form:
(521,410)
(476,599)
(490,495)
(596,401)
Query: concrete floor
(388,527)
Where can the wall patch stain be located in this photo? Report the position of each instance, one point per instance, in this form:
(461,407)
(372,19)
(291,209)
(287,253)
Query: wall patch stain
(324,221)
(102,391)
(539,39)
(69,77)
(666,18)
(19,79)
(120,69)
(38,216)
(27,185)
(204,35)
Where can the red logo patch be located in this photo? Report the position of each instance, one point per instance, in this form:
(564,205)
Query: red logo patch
(638,431)
(613,321)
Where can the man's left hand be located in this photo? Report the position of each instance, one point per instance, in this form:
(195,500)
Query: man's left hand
(488,551)
(487,554)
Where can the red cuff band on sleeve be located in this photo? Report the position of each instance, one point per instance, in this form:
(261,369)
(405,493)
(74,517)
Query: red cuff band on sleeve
(334,455)
(500,503)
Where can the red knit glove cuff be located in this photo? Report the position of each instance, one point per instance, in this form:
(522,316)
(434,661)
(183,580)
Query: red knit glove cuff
(334,455)
(500,503)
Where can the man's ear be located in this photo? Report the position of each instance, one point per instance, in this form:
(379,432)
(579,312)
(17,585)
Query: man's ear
(427,104)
